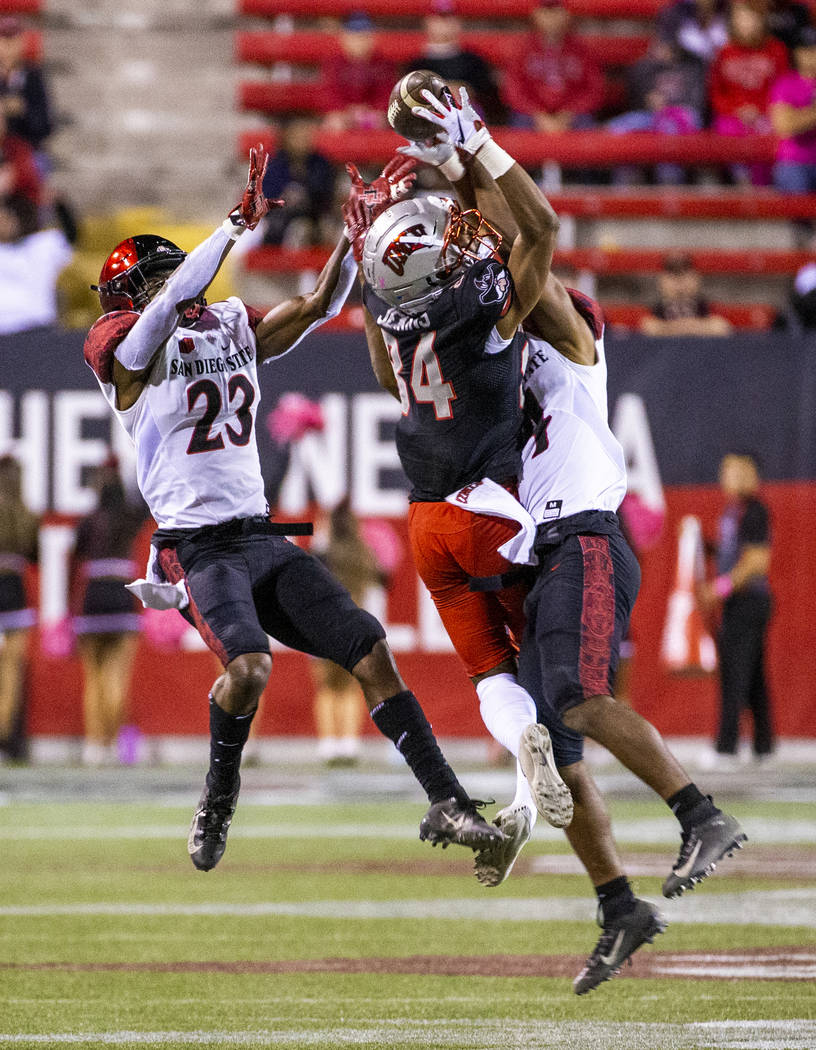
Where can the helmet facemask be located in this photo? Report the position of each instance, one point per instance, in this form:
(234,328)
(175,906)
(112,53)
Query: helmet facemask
(472,235)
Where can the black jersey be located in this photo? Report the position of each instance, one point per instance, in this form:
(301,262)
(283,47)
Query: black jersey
(460,393)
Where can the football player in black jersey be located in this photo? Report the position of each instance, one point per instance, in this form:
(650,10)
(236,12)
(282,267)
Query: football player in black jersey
(442,312)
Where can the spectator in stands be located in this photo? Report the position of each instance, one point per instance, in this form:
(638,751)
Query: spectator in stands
(680,308)
(786,20)
(698,28)
(31,260)
(443,54)
(301,176)
(357,82)
(741,79)
(667,95)
(556,84)
(23,95)
(793,115)
(19,175)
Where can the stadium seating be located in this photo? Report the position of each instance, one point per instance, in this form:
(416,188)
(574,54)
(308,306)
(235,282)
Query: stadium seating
(468,9)
(605,261)
(311,48)
(21,7)
(575,149)
(302,50)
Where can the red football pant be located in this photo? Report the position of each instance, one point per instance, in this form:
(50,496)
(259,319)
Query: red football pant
(450,545)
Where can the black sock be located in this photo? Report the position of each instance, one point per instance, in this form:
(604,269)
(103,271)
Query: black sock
(690,806)
(228,734)
(615,897)
(402,720)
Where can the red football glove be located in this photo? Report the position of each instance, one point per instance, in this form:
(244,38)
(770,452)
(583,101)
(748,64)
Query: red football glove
(366,202)
(358,222)
(253,205)
(394,183)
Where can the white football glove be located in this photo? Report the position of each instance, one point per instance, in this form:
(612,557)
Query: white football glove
(462,124)
(435,154)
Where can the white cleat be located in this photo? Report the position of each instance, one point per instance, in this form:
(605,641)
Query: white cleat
(494,864)
(551,795)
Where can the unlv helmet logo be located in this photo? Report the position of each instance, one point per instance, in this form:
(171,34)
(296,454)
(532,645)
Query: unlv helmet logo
(398,251)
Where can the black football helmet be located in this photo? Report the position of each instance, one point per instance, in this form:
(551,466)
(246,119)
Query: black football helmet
(124,280)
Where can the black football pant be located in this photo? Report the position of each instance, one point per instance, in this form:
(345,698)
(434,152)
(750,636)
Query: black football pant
(742,671)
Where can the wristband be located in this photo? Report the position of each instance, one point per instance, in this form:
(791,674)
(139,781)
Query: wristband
(232,229)
(723,585)
(452,168)
(494,159)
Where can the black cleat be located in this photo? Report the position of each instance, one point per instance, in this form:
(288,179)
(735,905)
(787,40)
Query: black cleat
(620,939)
(208,832)
(453,820)
(703,846)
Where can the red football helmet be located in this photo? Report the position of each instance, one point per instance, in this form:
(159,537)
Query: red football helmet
(124,283)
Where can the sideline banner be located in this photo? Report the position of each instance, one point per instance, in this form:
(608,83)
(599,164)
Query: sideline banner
(675,405)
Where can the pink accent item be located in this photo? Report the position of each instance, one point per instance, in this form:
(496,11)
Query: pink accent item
(164,628)
(723,586)
(643,523)
(57,639)
(384,542)
(293,417)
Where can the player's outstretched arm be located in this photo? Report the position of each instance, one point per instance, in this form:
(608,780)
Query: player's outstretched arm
(289,322)
(554,315)
(134,355)
(532,251)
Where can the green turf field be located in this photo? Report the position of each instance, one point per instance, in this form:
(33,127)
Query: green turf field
(330,925)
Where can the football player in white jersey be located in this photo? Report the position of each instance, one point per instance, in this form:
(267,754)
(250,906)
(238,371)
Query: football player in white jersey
(181,377)
(572,481)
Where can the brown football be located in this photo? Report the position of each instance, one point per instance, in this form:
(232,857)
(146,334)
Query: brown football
(406,96)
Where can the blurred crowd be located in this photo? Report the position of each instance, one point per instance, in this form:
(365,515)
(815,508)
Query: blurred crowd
(737,67)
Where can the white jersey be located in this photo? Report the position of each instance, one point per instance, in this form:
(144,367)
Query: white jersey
(194,423)
(572,462)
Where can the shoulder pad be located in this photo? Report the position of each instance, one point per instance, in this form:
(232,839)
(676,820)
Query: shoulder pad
(101,342)
(254,316)
(589,310)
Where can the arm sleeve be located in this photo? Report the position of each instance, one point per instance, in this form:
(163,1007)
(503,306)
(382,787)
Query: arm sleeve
(160,318)
(345,282)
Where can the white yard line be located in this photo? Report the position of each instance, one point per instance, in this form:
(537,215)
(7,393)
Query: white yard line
(799,1034)
(761,908)
(654,831)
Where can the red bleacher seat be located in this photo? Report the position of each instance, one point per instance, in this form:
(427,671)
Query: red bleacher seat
(467,9)
(21,7)
(751,316)
(667,203)
(600,261)
(311,48)
(757,316)
(575,149)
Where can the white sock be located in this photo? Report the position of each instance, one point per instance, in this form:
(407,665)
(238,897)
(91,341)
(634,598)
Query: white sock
(507,710)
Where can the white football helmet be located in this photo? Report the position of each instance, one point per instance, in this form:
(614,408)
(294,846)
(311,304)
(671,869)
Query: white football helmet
(416,247)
